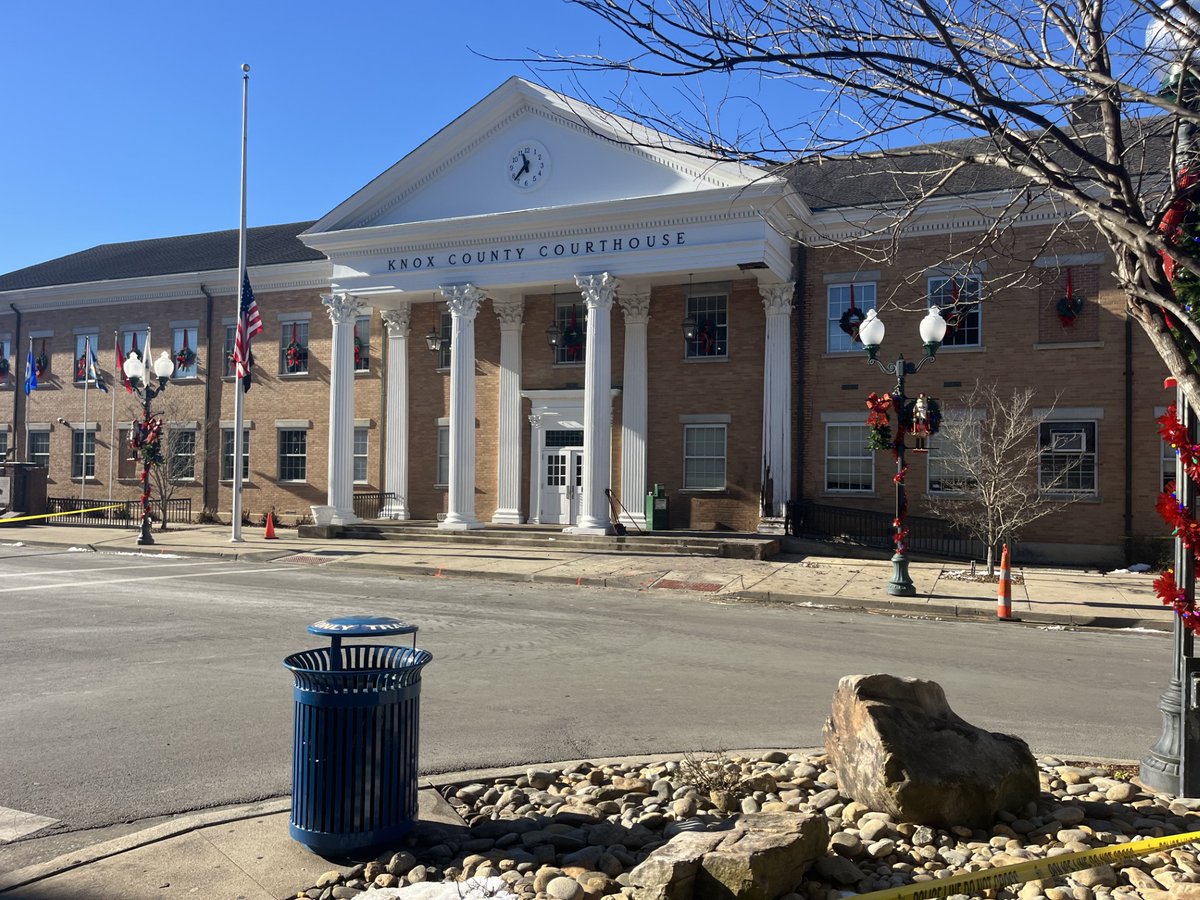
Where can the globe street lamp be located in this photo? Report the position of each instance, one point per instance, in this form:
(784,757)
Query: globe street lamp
(148,432)
(871,332)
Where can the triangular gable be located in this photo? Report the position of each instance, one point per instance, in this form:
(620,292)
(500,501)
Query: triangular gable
(581,155)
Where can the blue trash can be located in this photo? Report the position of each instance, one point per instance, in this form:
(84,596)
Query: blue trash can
(354,766)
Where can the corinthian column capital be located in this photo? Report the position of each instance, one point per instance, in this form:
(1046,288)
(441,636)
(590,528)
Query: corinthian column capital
(598,290)
(509,310)
(635,304)
(463,299)
(777,298)
(398,320)
(342,308)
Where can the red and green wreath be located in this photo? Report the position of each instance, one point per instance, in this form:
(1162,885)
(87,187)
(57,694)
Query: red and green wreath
(1069,306)
(4,366)
(81,368)
(41,362)
(880,436)
(852,319)
(184,358)
(706,338)
(572,339)
(146,439)
(359,351)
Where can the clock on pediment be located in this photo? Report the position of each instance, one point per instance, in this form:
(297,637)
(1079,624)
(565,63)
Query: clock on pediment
(528,165)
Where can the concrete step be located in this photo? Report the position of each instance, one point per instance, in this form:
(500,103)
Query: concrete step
(681,543)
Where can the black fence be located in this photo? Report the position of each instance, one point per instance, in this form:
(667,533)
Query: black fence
(118,514)
(370,504)
(870,528)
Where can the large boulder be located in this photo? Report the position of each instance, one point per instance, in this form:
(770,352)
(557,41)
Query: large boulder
(763,856)
(896,746)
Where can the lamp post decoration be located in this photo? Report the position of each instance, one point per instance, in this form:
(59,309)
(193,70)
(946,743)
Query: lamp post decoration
(146,438)
(919,416)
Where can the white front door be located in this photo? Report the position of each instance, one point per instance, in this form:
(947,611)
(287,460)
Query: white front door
(562,480)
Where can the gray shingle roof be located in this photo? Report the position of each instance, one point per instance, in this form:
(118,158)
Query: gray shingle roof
(214,250)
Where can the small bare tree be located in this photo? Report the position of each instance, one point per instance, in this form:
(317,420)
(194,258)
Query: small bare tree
(182,449)
(995,480)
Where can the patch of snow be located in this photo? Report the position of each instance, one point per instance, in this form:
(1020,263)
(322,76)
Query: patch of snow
(473,889)
(1142,630)
(136,553)
(1052,628)
(1131,570)
(80,550)
(17,544)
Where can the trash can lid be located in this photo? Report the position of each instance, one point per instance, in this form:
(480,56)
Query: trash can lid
(359,626)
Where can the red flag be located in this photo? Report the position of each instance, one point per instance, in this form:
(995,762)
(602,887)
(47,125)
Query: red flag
(121,367)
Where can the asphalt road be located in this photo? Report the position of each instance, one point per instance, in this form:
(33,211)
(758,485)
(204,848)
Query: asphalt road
(135,687)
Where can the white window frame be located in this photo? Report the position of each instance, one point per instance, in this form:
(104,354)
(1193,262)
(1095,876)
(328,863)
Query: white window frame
(445,330)
(941,293)
(279,453)
(934,445)
(1062,433)
(362,331)
(80,456)
(717,319)
(3,443)
(363,433)
(177,334)
(43,436)
(174,431)
(867,454)
(837,301)
(723,428)
(303,338)
(442,455)
(81,341)
(227,454)
(563,306)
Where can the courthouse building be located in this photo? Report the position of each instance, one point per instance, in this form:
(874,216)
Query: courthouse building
(544,305)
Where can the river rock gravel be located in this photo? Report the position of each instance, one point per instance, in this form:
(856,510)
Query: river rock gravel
(575,833)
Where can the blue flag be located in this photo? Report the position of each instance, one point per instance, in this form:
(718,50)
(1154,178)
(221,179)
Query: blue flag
(94,370)
(30,371)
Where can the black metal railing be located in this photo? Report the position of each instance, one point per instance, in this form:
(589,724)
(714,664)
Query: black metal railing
(871,528)
(370,504)
(120,514)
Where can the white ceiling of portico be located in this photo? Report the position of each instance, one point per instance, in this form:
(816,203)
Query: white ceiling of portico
(594,156)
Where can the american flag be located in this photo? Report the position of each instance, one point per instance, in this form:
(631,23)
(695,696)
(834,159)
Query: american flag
(249,324)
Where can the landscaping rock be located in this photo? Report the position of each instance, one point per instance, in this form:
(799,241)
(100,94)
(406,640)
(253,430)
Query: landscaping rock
(896,746)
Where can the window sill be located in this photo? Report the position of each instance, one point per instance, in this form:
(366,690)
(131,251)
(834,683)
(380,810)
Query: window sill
(230,481)
(965,348)
(291,481)
(1070,345)
(185,379)
(1073,498)
(287,375)
(863,494)
(441,487)
(707,492)
(358,372)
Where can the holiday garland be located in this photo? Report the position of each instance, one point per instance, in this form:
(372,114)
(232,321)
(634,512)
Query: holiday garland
(880,437)
(1183,524)
(147,440)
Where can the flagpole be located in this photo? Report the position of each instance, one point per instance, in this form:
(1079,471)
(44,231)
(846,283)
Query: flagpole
(112,433)
(239,390)
(28,396)
(87,361)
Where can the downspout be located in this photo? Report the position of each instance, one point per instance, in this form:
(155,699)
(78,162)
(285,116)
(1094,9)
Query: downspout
(207,431)
(17,395)
(801,269)
(1128,437)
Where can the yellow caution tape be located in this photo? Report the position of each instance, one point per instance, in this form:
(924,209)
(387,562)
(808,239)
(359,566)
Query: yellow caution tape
(53,515)
(1031,870)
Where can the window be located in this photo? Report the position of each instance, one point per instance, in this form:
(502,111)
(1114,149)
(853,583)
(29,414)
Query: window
(446,330)
(183,353)
(182,450)
(227,454)
(3,445)
(5,361)
(293,355)
(362,343)
(360,455)
(1167,463)
(39,448)
(83,453)
(1068,457)
(293,454)
(571,318)
(703,457)
(849,464)
(710,311)
(951,476)
(959,299)
(443,454)
(127,457)
(230,336)
(82,343)
(840,295)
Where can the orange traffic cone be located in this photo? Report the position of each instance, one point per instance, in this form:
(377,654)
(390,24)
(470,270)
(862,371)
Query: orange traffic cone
(1004,594)
(270,535)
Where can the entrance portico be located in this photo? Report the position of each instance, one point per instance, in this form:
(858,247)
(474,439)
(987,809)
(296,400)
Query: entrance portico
(620,222)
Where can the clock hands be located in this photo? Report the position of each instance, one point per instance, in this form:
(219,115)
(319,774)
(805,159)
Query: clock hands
(524,167)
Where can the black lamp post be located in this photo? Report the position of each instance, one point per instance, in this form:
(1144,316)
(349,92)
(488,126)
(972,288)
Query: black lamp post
(139,379)
(870,332)
(1173,763)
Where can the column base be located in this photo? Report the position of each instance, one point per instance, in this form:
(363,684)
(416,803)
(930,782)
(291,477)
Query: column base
(589,526)
(508,517)
(331,515)
(636,523)
(454,522)
(394,509)
(772,525)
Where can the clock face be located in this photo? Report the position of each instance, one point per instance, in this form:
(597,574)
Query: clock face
(528,165)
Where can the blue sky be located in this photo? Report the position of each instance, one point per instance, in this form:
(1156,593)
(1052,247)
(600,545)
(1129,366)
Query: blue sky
(122,120)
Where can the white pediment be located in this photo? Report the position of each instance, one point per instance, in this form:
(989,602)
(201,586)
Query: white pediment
(590,156)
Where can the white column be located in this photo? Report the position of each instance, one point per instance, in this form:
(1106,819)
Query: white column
(395,462)
(463,301)
(598,293)
(636,307)
(777,402)
(510,312)
(343,309)
(535,469)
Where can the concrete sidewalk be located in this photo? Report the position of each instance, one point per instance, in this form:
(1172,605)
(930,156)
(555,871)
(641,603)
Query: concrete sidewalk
(1067,597)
